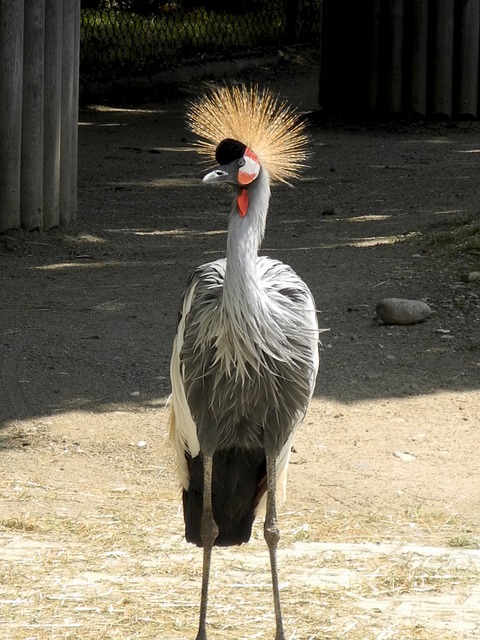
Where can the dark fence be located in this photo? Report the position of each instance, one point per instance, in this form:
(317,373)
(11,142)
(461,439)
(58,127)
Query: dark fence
(131,37)
(408,57)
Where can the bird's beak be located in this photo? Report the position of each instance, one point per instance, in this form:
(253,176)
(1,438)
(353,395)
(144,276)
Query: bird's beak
(217,175)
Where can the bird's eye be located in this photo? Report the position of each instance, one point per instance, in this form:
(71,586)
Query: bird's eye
(241,162)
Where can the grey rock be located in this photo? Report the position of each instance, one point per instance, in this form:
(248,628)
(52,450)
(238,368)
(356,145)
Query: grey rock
(402,311)
(473,276)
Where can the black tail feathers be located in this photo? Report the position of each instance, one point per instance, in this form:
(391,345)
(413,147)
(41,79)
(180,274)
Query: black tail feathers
(238,484)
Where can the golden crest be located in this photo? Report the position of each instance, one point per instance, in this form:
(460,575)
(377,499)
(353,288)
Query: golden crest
(256,117)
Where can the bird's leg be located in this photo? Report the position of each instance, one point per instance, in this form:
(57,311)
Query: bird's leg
(272,536)
(209,533)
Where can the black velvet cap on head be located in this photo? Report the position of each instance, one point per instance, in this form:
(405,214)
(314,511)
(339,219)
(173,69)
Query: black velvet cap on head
(229,150)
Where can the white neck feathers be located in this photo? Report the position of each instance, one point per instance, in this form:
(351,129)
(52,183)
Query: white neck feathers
(243,312)
(245,237)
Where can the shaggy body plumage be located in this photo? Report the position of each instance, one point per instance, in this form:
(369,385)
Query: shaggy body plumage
(243,371)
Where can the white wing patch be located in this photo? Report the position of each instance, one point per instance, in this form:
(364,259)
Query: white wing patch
(184,430)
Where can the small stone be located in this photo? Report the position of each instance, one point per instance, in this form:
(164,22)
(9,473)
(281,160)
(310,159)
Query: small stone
(402,311)
(473,276)
(404,456)
(135,394)
(419,436)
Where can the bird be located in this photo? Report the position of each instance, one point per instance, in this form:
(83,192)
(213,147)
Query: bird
(245,355)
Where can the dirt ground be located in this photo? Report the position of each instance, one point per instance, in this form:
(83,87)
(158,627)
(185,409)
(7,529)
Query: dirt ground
(381,527)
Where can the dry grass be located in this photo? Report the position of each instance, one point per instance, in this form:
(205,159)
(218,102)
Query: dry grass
(123,571)
(417,525)
(94,550)
(461,234)
(465,541)
(416,574)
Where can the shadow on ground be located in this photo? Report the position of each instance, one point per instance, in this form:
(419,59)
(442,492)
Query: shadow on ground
(88,316)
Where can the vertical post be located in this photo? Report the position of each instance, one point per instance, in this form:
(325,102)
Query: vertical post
(324,80)
(352,29)
(394,56)
(418,58)
(11,72)
(69,110)
(52,113)
(339,71)
(374,75)
(443,58)
(31,197)
(466,70)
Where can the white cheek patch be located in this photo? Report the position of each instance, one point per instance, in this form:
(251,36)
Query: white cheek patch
(250,169)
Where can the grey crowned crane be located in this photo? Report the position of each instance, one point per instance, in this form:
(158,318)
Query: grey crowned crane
(245,356)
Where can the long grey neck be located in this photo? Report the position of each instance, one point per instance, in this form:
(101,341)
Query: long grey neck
(245,236)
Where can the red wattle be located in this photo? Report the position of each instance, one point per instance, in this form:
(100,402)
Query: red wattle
(242,202)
